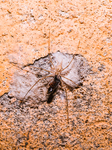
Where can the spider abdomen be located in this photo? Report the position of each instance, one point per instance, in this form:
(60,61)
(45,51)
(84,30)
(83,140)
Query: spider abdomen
(53,85)
(52,88)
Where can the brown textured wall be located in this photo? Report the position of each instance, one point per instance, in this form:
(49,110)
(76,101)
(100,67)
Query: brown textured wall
(83,27)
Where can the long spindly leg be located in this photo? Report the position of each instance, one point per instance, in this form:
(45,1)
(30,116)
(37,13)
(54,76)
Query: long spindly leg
(34,67)
(68,64)
(38,68)
(67,106)
(49,46)
(35,84)
(72,82)
(43,69)
(23,101)
(66,101)
(66,95)
(49,54)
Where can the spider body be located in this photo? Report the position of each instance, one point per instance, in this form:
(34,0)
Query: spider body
(53,86)
(66,71)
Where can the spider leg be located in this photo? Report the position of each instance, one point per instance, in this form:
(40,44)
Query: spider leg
(72,82)
(36,68)
(49,46)
(22,101)
(66,95)
(68,64)
(43,69)
(61,65)
(33,67)
(67,106)
(49,54)
(35,84)
(66,102)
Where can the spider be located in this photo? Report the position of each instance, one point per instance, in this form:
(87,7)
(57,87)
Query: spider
(61,76)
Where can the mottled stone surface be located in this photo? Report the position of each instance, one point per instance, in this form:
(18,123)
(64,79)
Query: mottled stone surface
(77,27)
(33,81)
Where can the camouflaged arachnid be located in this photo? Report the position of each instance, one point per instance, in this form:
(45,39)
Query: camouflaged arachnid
(40,81)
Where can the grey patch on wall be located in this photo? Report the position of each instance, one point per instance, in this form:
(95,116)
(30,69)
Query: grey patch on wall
(73,75)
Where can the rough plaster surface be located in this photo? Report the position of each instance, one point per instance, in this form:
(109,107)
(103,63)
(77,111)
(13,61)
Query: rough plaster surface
(83,27)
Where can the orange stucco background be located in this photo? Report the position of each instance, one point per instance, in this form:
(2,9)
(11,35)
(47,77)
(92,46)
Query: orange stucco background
(83,27)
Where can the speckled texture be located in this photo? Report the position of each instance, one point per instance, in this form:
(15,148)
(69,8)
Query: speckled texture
(83,27)
(34,81)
